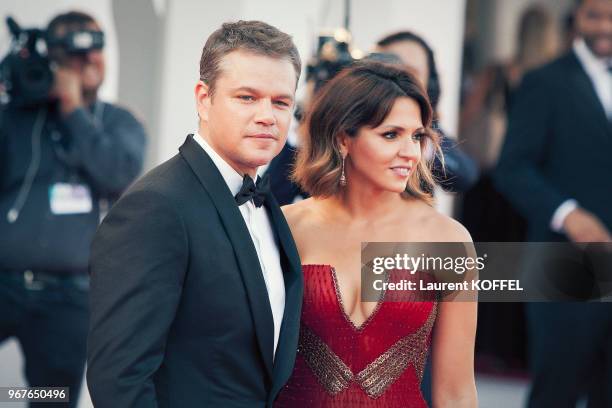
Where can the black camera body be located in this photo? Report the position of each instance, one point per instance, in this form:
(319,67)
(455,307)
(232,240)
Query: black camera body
(334,53)
(77,42)
(25,73)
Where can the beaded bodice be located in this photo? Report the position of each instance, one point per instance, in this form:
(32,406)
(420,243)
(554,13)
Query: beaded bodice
(377,364)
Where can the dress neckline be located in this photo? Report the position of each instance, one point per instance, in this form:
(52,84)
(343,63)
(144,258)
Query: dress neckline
(340,303)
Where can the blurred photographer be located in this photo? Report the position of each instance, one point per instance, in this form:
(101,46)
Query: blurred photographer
(63,160)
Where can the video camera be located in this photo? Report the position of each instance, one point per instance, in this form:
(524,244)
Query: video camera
(26,74)
(335,52)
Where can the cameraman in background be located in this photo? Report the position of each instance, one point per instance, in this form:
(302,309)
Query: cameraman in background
(63,161)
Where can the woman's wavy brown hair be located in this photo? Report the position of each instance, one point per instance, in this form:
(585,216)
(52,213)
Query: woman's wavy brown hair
(361,95)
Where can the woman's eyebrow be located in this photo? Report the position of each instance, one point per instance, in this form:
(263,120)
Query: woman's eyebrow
(394,127)
(401,128)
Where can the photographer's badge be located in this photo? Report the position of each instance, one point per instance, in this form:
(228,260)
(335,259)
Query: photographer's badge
(65,198)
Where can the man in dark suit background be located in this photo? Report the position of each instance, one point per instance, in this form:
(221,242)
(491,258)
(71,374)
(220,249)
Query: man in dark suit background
(556,168)
(196,281)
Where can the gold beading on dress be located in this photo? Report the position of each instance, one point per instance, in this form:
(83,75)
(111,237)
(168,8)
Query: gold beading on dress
(331,371)
(335,376)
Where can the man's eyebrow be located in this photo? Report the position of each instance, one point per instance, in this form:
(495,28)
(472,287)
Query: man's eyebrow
(256,92)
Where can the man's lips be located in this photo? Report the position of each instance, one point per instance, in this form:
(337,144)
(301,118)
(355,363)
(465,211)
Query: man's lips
(263,136)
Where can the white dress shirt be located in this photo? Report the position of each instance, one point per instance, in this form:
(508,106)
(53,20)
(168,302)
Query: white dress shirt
(597,70)
(260,229)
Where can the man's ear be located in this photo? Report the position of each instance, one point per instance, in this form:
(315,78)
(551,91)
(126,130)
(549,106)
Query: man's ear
(203,100)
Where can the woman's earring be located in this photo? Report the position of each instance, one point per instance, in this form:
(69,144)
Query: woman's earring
(342,175)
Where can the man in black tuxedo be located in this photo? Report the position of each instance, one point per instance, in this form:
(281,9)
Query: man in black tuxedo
(196,281)
(556,167)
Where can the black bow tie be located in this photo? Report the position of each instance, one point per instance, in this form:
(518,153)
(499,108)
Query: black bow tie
(255,191)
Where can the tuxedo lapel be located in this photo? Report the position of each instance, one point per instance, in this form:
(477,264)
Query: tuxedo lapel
(237,232)
(292,270)
(587,95)
(294,287)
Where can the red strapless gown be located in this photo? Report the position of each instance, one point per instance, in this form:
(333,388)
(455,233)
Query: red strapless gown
(379,364)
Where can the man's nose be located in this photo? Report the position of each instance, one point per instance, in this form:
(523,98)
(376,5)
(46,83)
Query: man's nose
(265,112)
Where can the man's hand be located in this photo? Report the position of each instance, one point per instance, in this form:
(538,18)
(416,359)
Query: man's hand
(67,89)
(582,226)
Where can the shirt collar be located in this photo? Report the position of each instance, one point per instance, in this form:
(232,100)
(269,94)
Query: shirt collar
(232,178)
(591,63)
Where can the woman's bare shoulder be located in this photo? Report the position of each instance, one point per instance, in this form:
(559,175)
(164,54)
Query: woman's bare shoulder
(301,219)
(438,227)
(447,229)
(298,213)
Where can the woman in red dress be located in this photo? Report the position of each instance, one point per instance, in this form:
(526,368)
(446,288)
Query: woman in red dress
(363,165)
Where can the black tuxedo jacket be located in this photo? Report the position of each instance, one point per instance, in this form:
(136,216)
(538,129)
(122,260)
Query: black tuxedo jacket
(558,146)
(180,315)
(285,191)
